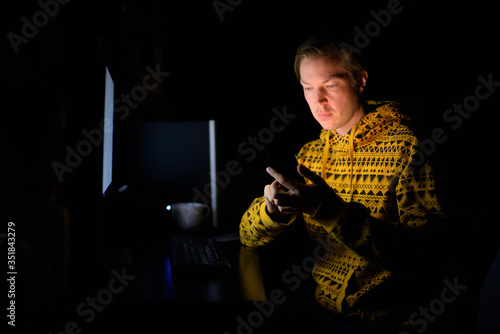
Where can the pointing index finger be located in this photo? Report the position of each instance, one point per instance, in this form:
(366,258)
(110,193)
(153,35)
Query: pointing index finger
(282,179)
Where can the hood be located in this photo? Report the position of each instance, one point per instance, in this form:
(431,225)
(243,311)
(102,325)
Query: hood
(379,116)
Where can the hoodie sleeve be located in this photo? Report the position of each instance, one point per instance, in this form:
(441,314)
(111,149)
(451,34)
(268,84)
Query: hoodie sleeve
(257,228)
(397,245)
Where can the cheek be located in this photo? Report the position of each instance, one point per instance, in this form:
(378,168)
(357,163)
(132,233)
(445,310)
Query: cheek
(308,99)
(340,100)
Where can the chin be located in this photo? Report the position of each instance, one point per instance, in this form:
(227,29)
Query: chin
(327,126)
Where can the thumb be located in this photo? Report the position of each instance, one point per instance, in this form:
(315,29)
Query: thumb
(309,174)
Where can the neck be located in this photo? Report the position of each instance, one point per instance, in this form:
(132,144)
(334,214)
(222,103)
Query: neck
(355,119)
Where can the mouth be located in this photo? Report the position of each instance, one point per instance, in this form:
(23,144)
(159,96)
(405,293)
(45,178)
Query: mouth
(324,115)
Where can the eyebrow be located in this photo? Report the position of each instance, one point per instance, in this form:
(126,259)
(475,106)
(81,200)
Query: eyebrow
(330,77)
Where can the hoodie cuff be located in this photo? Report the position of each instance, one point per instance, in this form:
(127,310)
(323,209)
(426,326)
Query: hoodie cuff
(269,222)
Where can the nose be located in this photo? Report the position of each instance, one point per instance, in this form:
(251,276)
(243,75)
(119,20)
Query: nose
(320,97)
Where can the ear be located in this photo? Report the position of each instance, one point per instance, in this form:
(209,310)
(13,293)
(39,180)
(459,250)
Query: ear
(362,81)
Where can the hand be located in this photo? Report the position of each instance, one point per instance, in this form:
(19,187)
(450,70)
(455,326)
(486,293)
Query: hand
(300,197)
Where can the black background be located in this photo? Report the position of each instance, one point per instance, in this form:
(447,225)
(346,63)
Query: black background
(236,71)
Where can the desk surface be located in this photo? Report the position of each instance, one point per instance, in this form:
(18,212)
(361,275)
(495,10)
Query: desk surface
(206,304)
(156,281)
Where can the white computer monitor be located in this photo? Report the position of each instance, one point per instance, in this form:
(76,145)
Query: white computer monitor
(179,156)
(107,154)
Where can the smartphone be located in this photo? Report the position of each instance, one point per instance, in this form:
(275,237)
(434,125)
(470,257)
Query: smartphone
(285,163)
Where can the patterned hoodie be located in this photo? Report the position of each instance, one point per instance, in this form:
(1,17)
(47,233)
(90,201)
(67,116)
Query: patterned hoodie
(368,258)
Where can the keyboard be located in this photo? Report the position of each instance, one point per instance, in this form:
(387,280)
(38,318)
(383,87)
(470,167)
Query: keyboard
(202,252)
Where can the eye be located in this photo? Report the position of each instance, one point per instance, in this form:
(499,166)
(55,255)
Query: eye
(331,86)
(307,88)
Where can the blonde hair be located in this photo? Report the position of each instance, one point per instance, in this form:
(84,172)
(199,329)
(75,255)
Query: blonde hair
(318,46)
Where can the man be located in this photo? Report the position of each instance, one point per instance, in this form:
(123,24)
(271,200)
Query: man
(369,207)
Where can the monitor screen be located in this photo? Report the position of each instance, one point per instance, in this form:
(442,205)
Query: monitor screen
(107,166)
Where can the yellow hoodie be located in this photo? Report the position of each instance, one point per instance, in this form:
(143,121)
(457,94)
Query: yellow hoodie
(382,241)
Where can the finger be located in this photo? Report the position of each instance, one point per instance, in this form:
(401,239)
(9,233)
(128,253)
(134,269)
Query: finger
(287,200)
(276,186)
(273,188)
(309,174)
(267,191)
(273,192)
(282,180)
(271,208)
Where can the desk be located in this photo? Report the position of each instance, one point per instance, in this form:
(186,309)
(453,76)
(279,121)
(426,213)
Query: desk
(156,282)
(217,304)
(155,298)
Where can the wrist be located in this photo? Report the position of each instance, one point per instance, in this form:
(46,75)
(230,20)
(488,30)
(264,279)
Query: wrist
(277,216)
(273,220)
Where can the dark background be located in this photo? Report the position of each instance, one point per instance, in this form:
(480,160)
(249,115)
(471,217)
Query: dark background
(234,71)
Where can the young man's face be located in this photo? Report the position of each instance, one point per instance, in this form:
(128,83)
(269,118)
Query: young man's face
(333,101)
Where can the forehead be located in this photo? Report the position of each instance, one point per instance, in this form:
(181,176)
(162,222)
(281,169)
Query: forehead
(313,69)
